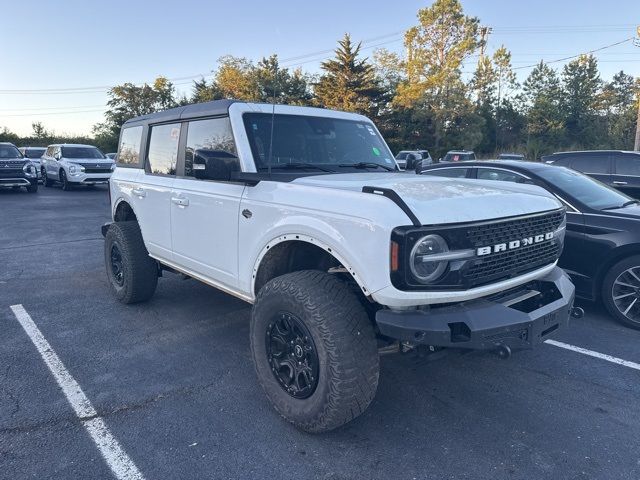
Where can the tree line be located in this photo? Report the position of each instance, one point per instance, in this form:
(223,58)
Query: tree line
(418,99)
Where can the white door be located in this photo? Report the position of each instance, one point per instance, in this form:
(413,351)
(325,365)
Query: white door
(153,190)
(204,213)
(204,222)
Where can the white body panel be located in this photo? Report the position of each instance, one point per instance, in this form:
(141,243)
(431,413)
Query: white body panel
(211,240)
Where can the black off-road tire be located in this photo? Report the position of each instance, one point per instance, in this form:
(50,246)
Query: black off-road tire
(45,179)
(139,272)
(66,186)
(345,343)
(33,188)
(608,286)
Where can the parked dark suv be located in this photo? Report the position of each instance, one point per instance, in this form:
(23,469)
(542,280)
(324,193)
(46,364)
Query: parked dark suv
(617,168)
(15,170)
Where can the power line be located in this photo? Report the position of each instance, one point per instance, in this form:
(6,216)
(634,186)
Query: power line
(578,55)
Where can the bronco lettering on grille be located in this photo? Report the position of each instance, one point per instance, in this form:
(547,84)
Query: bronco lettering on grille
(514,244)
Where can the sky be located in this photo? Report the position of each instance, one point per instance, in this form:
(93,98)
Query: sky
(80,44)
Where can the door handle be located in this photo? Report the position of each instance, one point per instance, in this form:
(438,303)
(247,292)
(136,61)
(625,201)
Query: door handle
(138,192)
(617,182)
(180,201)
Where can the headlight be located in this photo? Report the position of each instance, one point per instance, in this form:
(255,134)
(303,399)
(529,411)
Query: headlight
(73,168)
(29,169)
(425,265)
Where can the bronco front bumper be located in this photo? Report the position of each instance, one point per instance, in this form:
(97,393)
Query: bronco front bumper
(517,318)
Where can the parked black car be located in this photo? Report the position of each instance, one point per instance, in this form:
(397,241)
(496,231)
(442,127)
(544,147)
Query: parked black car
(602,244)
(617,168)
(15,170)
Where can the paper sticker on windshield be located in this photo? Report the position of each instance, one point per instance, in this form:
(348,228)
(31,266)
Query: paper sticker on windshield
(360,125)
(388,160)
(376,151)
(370,130)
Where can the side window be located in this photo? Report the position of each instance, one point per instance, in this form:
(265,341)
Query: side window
(162,155)
(591,163)
(213,137)
(628,165)
(129,148)
(448,172)
(500,175)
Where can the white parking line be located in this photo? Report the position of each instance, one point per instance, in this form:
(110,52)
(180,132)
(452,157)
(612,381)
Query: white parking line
(591,353)
(119,462)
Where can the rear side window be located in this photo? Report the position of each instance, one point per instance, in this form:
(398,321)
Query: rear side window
(628,165)
(129,148)
(500,175)
(448,172)
(163,149)
(212,136)
(591,163)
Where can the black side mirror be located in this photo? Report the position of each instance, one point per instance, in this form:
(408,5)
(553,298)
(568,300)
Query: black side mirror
(214,165)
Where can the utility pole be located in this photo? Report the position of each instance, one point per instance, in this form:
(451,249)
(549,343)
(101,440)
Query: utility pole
(636,145)
(484,35)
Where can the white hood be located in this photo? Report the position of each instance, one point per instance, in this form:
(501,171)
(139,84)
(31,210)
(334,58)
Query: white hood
(437,200)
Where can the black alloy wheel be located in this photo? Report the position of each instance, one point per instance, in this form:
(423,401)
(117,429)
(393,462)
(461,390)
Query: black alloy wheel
(116,265)
(292,355)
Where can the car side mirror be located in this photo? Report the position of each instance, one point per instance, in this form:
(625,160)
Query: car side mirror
(214,165)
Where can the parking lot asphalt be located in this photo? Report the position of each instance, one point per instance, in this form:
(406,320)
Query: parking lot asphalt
(174,382)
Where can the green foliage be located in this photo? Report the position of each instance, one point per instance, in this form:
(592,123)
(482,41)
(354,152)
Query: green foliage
(349,83)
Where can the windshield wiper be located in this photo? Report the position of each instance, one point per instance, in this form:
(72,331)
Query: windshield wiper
(366,165)
(293,165)
(625,204)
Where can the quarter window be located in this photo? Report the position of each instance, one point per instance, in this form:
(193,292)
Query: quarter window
(163,149)
(628,165)
(129,149)
(213,136)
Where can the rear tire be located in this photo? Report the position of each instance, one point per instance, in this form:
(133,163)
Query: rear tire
(341,339)
(132,273)
(621,291)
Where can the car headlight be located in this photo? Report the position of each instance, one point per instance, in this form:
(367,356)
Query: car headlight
(426,261)
(73,168)
(29,169)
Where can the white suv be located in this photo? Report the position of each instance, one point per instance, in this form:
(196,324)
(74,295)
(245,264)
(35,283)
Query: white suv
(75,164)
(303,213)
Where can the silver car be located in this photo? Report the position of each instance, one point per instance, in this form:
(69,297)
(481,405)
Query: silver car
(34,154)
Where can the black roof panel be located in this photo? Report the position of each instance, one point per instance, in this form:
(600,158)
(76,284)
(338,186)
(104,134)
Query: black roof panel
(217,107)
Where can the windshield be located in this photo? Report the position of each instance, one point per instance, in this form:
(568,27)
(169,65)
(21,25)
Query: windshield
(9,151)
(325,142)
(34,152)
(585,189)
(402,156)
(81,152)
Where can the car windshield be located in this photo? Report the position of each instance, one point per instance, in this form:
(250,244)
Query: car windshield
(34,152)
(587,190)
(81,152)
(402,156)
(510,156)
(9,151)
(321,142)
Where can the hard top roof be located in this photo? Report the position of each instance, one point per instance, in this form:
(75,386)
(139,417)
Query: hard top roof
(216,107)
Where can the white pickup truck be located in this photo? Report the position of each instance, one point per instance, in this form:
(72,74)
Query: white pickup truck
(303,213)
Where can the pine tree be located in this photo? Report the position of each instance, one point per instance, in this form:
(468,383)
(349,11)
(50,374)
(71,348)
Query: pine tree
(349,82)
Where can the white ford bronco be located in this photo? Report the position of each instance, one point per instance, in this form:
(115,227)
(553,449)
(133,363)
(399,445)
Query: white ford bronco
(303,213)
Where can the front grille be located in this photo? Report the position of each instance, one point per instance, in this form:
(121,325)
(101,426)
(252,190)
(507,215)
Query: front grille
(492,233)
(515,262)
(11,172)
(95,168)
